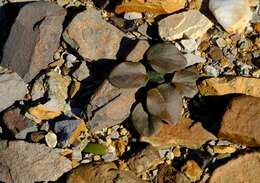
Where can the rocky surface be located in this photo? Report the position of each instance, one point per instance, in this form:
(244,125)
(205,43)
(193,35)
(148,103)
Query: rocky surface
(24,162)
(240,122)
(35,37)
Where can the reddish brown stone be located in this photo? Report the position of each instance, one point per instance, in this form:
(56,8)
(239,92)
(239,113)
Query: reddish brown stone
(138,52)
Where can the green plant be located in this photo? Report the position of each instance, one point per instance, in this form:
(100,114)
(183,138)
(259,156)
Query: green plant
(163,103)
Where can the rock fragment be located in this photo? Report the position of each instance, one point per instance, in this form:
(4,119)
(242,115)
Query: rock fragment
(191,24)
(82,72)
(240,123)
(138,52)
(192,170)
(23,162)
(35,36)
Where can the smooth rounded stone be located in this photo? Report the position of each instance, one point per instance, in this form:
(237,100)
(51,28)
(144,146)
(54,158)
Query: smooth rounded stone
(216,53)
(35,36)
(51,139)
(230,85)
(12,88)
(191,24)
(237,11)
(240,123)
(24,162)
(244,168)
(132,15)
(82,72)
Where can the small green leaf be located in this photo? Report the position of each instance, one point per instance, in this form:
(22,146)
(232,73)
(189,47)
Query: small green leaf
(128,75)
(97,149)
(166,58)
(155,77)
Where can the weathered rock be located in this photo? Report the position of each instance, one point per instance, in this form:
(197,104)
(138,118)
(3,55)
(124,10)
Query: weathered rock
(23,162)
(93,37)
(152,6)
(138,52)
(238,11)
(17,123)
(101,173)
(145,159)
(109,106)
(82,72)
(230,85)
(33,39)
(245,168)
(184,133)
(240,123)
(191,24)
(168,174)
(192,170)
(12,88)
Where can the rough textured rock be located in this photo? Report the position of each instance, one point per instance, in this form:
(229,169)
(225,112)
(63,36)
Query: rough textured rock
(34,37)
(145,159)
(93,37)
(191,24)
(192,170)
(22,162)
(245,168)
(82,72)
(230,84)
(237,11)
(17,123)
(240,123)
(184,133)
(152,6)
(12,88)
(101,173)
(109,106)
(138,52)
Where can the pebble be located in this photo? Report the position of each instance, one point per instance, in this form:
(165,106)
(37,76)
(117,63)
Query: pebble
(76,154)
(192,170)
(82,72)
(51,139)
(211,71)
(132,15)
(189,45)
(216,53)
(221,42)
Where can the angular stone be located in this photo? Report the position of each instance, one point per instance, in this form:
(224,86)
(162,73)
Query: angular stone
(82,72)
(101,173)
(245,168)
(240,123)
(191,24)
(145,159)
(230,85)
(17,123)
(192,170)
(34,37)
(138,52)
(24,162)
(184,133)
(93,37)
(109,106)
(151,6)
(238,11)
(12,88)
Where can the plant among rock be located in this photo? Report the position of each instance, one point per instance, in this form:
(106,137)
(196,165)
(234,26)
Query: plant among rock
(165,79)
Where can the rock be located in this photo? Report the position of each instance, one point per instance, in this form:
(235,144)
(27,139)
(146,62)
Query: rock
(211,70)
(51,139)
(39,88)
(238,11)
(193,59)
(143,160)
(104,106)
(230,85)
(12,88)
(101,173)
(57,91)
(191,24)
(132,16)
(224,149)
(168,174)
(93,37)
(216,53)
(192,170)
(34,36)
(189,45)
(17,123)
(37,136)
(240,123)
(184,133)
(138,52)
(82,72)
(151,6)
(245,168)
(23,162)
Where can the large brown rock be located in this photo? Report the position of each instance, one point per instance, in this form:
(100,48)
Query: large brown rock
(244,169)
(101,173)
(34,37)
(22,162)
(184,133)
(93,37)
(230,85)
(109,106)
(240,123)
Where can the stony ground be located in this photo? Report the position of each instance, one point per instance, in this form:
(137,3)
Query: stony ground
(102,91)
